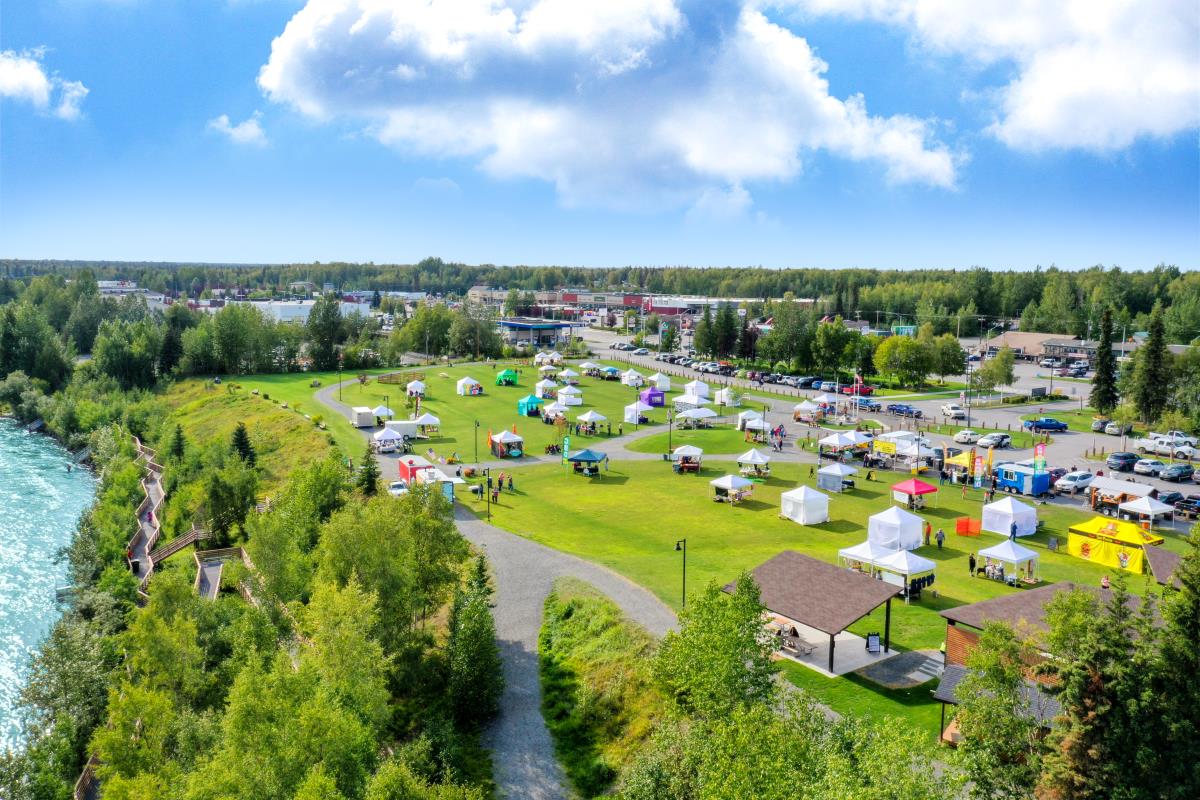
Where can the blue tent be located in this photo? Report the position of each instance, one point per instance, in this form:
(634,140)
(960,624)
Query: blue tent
(587,457)
(528,406)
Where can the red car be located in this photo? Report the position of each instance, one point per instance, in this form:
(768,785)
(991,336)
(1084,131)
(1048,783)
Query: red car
(860,389)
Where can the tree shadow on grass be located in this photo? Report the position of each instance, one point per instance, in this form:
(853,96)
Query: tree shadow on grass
(838,526)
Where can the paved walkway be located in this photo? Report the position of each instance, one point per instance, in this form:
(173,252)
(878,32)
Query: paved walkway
(208,582)
(148,526)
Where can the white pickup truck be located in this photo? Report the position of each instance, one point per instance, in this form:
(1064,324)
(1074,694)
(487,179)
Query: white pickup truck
(1175,437)
(953,411)
(1164,447)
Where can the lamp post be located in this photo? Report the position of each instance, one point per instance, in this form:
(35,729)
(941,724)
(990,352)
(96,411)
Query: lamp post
(385,404)
(670,428)
(477,442)
(681,547)
(339,377)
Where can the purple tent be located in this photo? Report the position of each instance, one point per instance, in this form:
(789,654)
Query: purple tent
(653,397)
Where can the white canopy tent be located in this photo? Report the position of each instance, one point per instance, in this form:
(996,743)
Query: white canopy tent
(568,373)
(806,405)
(570,396)
(804,505)
(895,529)
(906,563)
(859,437)
(589,365)
(427,419)
(381,411)
(552,357)
(591,417)
(631,377)
(867,553)
(554,408)
(830,478)
(660,381)
(506,437)
(634,411)
(698,388)
(914,449)
(465,385)
(998,517)
(731,482)
(1146,507)
(696,413)
(826,399)
(1011,553)
(545,388)
(571,390)
(547,369)
(415,387)
(755,425)
(754,457)
(745,416)
(727,397)
(836,441)
(388,435)
(690,400)
(686,451)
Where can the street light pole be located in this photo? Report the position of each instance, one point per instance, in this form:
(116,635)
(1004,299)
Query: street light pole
(670,428)
(339,377)
(681,546)
(476,442)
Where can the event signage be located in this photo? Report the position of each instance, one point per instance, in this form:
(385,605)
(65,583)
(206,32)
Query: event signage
(1039,457)
(885,447)
(978,471)
(566,448)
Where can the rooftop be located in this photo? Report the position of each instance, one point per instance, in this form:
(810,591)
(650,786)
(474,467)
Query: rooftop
(1024,608)
(1038,703)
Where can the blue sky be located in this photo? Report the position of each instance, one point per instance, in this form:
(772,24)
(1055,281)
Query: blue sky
(793,133)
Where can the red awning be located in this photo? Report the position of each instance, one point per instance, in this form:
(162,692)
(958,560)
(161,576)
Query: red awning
(914,487)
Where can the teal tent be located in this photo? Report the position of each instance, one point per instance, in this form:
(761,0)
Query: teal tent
(507,377)
(529,406)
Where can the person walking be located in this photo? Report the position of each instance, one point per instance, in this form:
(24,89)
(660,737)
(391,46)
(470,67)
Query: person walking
(940,537)
(1012,531)
(971,565)
(964,491)
(510,482)
(928,532)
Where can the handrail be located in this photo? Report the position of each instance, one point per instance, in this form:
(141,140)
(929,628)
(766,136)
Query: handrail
(178,543)
(86,779)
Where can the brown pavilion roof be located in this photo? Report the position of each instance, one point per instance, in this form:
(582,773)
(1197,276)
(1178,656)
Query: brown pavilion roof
(1025,607)
(817,593)
(1162,564)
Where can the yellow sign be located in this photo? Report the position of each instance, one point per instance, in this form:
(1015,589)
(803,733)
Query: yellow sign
(885,447)
(1110,554)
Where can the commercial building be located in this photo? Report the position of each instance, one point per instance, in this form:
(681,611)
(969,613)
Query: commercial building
(534,331)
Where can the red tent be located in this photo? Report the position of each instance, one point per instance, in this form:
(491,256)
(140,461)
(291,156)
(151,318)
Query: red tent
(912,486)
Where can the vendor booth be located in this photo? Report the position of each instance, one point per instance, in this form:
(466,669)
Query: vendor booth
(1113,543)
(507,444)
(570,396)
(727,397)
(549,358)
(590,368)
(1008,562)
(754,464)
(959,467)
(588,420)
(547,370)
(835,477)
(653,397)
(587,462)
(387,439)
(546,389)
(635,413)
(836,442)
(686,458)
(554,409)
(809,412)
(863,556)
(1000,516)
(429,423)
(685,401)
(756,431)
(506,377)
(696,417)
(469,387)
(745,416)
(381,411)
(568,375)
(631,377)
(1145,510)
(731,489)
(912,492)
(827,400)
(909,571)
(660,381)
(698,388)
(804,505)
(610,373)
(415,389)
(529,406)
(895,529)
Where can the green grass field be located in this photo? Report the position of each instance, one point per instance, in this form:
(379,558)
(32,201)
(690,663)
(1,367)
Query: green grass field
(1081,421)
(720,440)
(854,695)
(1021,439)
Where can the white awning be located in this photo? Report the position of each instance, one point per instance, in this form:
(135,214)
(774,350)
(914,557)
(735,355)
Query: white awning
(1147,506)
(730,482)
(427,419)
(591,416)
(696,413)
(687,451)
(753,456)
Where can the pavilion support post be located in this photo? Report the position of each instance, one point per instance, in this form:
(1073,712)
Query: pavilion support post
(887,626)
(831,652)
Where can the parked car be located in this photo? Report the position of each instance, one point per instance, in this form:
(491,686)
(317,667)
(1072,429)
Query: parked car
(827,386)
(1178,472)
(1100,423)
(1056,473)
(1044,424)
(860,389)
(967,436)
(397,488)
(1063,372)
(867,404)
(954,411)
(1121,462)
(1118,428)
(807,382)
(641,351)
(1149,466)
(903,410)
(1048,363)
(997,440)
(1073,482)
(1188,507)
(1170,498)
(974,357)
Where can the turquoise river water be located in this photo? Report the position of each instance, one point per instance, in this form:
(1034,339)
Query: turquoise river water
(40,503)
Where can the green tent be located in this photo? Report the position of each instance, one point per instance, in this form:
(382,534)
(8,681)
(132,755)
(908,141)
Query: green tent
(507,377)
(529,406)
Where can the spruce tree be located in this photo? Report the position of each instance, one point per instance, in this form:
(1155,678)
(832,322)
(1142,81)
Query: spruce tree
(177,445)
(704,339)
(1151,379)
(242,446)
(368,474)
(1104,386)
(170,351)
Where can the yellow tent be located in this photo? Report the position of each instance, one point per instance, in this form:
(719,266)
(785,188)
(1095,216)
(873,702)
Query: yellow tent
(1111,542)
(963,459)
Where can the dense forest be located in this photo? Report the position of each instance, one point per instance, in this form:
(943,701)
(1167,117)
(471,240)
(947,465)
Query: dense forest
(1051,300)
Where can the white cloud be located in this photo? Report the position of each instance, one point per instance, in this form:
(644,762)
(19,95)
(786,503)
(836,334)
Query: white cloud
(248,131)
(1090,74)
(23,77)
(616,102)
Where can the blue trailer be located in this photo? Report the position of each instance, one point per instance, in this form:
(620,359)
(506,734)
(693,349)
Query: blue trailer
(1021,479)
